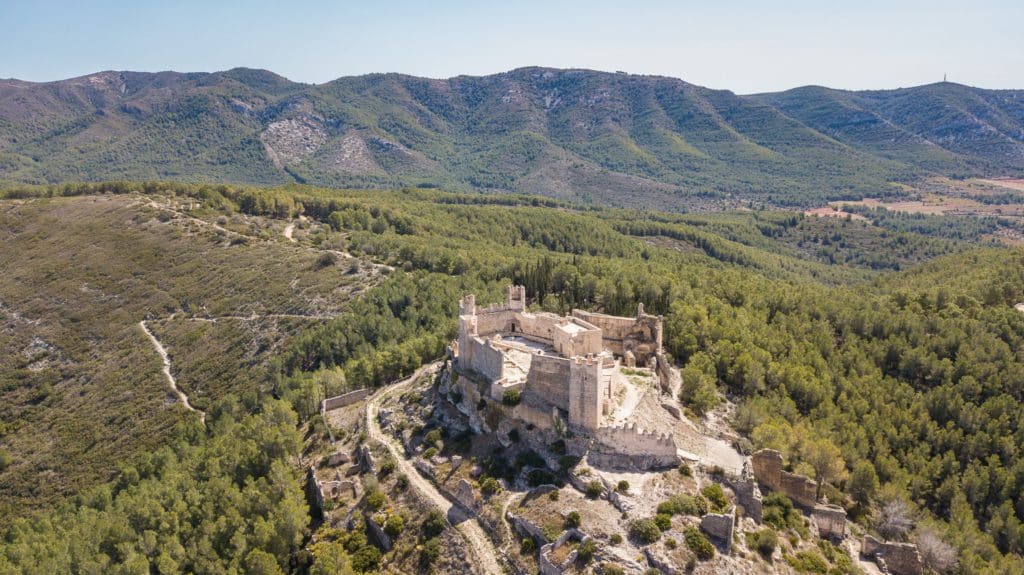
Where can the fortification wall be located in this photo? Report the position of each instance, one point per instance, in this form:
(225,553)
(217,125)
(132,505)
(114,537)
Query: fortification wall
(633,447)
(484,359)
(572,338)
(585,392)
(767,464)
(897,558)
(490,321)
(344,399)
(612,327)
(642,335)
(548,380)
(830,520)
(540,326)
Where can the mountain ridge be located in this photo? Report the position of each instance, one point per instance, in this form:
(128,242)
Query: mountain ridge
(597,137)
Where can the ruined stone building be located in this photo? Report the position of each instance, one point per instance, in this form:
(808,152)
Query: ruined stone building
(576,368)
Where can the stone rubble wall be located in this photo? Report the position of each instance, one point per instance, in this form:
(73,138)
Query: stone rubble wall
(767,465)
(547,567)
(830,520)
(344,399)
(719,526)
(378,533)
(748,495)
(894,558)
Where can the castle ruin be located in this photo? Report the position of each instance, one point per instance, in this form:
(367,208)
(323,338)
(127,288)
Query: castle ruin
(582,369)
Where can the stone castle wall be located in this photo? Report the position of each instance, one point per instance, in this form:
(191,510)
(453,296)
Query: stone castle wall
(897,558)
(344,399)
(484,358)
(547,380)
(633,447)
(767,464)
(641,335)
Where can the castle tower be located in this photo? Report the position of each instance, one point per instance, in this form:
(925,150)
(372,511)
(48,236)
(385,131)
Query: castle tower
(515,298)
(585,392)
(467,329)
(467,305)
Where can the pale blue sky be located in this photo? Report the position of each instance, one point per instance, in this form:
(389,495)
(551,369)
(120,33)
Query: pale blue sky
(744,46)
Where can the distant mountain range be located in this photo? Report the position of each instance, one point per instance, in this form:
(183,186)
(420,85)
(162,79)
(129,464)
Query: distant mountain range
(613,139)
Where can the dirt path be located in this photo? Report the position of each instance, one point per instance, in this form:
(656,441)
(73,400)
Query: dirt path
(288,230)
(167,371)
(484,551)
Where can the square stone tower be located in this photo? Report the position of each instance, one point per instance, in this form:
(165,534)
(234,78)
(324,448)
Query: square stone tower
(585,392)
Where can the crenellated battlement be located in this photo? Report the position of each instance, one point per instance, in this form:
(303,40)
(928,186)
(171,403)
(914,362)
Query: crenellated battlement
(630,432)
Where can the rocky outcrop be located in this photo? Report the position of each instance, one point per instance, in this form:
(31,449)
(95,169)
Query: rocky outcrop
(465,495)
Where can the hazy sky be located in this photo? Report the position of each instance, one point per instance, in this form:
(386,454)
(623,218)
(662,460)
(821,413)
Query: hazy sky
(744,46)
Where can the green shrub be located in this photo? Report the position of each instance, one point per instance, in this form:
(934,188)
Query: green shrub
(699,544)
(375,500)
(594,489)
(527,546)
(663,521)
(808,562)
(572,520)
(394,526)
(511,397)
(615,539)
(611,569)
(585,552)
(622,487)
(429,552)
(402,481)
(685,470)
(553,495)
(489,486)
(681,504)
(433,437)
(433,524)
(764,541)
(430,453)
(716,496)
(644,531)
(671,543)
(778,512)
(386,468)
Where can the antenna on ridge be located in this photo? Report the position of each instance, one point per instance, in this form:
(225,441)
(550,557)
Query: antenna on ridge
(943,77)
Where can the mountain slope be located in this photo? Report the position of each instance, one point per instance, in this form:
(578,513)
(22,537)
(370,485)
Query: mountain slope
(614,139)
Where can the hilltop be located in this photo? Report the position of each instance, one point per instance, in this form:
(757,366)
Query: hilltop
(591,137)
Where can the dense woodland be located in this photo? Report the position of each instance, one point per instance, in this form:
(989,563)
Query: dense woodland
(912,380)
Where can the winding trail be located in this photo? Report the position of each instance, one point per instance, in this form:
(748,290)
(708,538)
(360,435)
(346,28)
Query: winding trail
(288,230)
(167,371)
(484,551)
